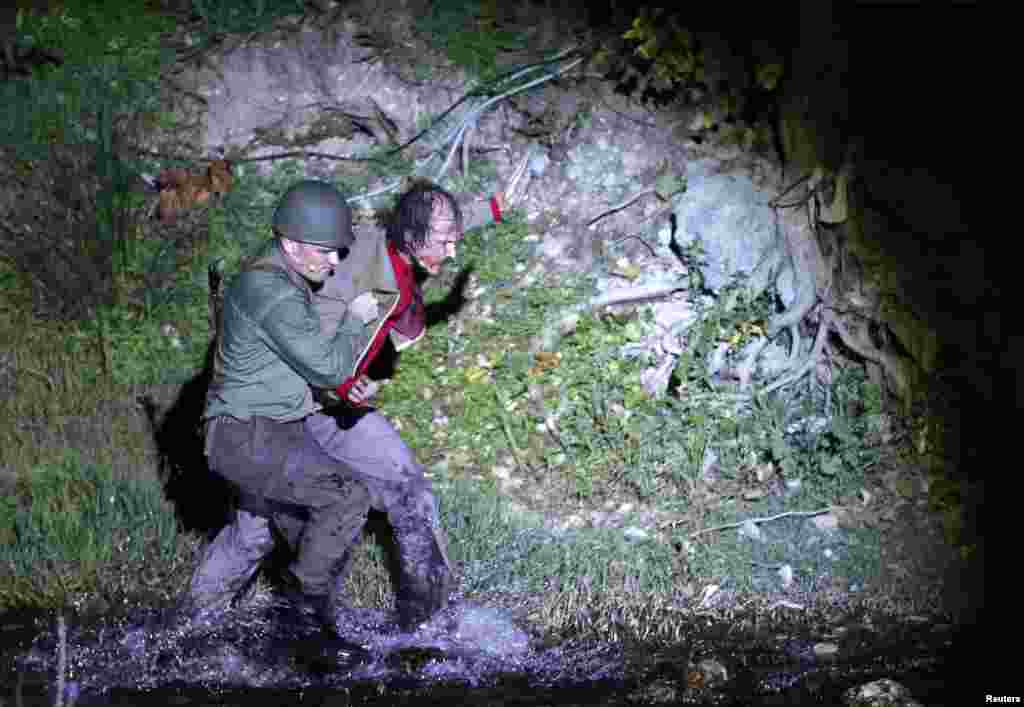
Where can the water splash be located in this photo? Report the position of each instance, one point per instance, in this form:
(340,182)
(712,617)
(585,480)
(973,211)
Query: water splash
(482,654)
(253,648)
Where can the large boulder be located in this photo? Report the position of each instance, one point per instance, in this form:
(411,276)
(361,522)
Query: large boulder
(728,217)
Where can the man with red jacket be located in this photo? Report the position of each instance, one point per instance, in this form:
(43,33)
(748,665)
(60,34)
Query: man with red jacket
(371,296)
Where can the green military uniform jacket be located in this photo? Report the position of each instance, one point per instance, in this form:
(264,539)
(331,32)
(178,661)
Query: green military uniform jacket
(271,348)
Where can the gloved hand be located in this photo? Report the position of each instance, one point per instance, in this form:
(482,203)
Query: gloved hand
(365,307)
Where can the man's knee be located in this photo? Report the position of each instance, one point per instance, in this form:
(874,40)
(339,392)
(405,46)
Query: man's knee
(351,498)
(373,448)
(252,535)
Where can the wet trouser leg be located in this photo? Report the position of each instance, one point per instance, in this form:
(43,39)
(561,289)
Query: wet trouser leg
(337,503)
(398,487)
(280,470)
(230,561)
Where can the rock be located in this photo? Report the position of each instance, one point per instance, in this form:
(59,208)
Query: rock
(708,467)
(825,650)
(749,529)
(880,693)
(635,534)
(568,324)
(826,522)
(728,216)
(713,672)
(571,522)
(786,576)
(709,594)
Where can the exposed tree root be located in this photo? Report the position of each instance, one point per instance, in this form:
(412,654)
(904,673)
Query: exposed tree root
(896,368)
(809,362)
(798,250)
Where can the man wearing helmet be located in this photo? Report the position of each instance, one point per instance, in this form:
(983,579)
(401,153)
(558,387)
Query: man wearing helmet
(301,324)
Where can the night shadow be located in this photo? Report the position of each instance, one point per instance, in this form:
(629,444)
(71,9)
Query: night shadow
(202,499)
(453,302)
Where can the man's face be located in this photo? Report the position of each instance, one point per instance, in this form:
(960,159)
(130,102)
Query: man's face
(314,262)
(441,239)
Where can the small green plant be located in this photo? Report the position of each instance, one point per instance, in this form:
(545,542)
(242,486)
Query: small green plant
(482,174)
(660,39)
(654,59)
(221,17)
(471,33)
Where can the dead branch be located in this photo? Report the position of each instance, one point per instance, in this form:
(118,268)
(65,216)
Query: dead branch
(619,207)
(727,526)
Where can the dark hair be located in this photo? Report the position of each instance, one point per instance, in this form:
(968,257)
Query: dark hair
(410,221)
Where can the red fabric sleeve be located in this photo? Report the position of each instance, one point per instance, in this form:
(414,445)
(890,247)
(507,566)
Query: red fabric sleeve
(408,318)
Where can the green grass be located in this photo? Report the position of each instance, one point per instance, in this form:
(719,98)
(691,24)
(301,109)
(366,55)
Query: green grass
(503,551)
(481,370)
(73,529)
(611,440)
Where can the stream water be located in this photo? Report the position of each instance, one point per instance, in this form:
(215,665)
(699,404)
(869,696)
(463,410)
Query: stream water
(470,654)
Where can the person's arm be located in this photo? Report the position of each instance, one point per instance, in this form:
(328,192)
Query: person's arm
(293,332)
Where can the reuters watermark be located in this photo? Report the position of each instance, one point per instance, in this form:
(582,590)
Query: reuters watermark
(1002,699)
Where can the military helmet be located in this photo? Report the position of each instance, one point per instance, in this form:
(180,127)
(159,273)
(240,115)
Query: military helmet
(314,212)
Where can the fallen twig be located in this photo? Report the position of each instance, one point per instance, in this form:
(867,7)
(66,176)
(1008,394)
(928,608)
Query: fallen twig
(647,245)
(306,153)
(761,520)
(620,207)
(551,334)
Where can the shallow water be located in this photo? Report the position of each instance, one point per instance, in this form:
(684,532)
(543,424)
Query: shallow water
(470,654)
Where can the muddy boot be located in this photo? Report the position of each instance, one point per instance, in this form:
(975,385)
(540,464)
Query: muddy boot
(424,577)
(308,610)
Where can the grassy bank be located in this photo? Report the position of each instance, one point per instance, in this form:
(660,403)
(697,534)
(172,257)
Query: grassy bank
(523,445)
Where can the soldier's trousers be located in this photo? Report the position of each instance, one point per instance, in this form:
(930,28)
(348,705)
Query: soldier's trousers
(381,472)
